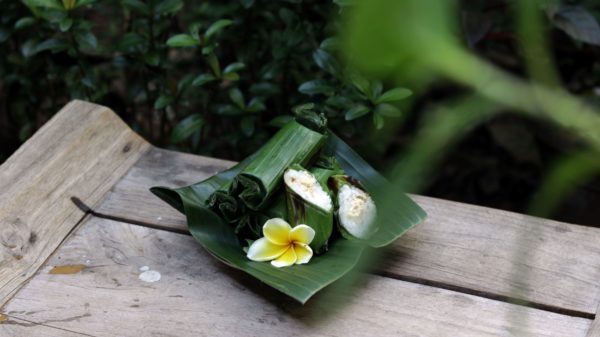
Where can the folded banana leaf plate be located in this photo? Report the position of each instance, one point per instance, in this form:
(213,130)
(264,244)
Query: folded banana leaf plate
(225,213)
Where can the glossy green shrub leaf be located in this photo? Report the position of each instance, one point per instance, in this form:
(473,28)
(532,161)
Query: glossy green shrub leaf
(24,22)
(217,27)
(325,61)
(187,127)
(81,3)
(231,76)
(166,7)
(388,110)
(45,3)
(393,95)
(264,88)
(356,111)
(378,121)
(162,102)
(247,126)
(330,44)
(316,87)
(65,24)
(237,97)
(280,121)
(31,47)
(256,104)
(137,6)
(203,79)
(54,45)
(339,102)
(376,89)
(229,110)
(361,83)
(214,64)
(576,21)
(86,39)
(234,67)
(182,40)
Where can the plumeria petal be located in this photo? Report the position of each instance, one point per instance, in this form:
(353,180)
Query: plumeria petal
(287,259)
(303,253)
(277,231)
(264,250)
(302,234)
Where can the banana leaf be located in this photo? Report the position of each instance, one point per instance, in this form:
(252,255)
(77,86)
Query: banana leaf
(293,144)
(299,281)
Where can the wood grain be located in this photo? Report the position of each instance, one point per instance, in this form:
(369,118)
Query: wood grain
(199,296)
(594,330)
(15,327)
(498,252)
(158,167)
(82,151)
(501,254)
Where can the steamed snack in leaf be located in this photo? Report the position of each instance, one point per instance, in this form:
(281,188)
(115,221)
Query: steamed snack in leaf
(250,224)
(309,203)
(293,144)
(227,206)
(356,209)
(226,240)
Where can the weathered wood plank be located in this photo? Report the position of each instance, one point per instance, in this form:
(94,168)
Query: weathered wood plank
(15,327)
(595,327)
(80,152)
(498,252)
(158,167)
(197,295)
(458,245)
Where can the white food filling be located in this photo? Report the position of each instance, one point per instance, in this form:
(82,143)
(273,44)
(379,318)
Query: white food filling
(357,211)
(306,186)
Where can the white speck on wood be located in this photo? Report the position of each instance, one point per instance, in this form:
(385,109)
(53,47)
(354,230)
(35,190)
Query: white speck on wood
(150,276)
(144,268)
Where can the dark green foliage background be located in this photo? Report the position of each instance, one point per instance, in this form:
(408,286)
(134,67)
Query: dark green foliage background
(214,78)
(218,77)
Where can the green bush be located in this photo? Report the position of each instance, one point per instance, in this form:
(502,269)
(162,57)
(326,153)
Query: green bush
(210,77)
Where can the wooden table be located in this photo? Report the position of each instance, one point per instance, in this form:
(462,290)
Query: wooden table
(465,271)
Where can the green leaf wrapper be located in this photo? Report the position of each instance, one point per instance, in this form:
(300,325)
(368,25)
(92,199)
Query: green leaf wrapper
(251,224)
(228,207)
(293,144)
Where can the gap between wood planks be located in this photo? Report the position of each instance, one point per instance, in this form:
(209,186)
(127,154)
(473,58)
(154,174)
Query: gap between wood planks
(501,298)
